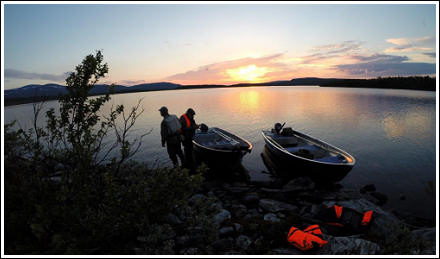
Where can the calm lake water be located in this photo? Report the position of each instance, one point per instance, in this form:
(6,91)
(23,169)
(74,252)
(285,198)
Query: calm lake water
(391,133)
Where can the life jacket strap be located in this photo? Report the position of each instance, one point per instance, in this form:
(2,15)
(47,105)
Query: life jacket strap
(367,218)
(188,122)
(338,211)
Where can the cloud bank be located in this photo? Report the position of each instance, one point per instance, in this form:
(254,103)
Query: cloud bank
(19,74)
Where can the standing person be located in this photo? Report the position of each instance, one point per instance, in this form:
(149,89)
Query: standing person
(189,127)
(170,134)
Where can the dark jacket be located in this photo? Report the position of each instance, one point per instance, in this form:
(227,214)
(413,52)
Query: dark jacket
(188,131)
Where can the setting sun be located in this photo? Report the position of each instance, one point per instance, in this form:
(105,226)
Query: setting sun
(251,73)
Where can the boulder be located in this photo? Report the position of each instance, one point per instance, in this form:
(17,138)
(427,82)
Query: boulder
(276,206)
(368,188)
(223,244)
(271,217)
(251,199)
(428,237)
(242,242)
(222,216)
(238,228)
(197,198)
(381,198)
(173,219)
(182,240)
(226,231)
(302,184)
(239,210)
(348,246)
(285,251)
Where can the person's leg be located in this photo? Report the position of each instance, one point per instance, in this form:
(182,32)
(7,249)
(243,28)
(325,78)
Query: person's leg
(189,155)
(180,154)
(171,148)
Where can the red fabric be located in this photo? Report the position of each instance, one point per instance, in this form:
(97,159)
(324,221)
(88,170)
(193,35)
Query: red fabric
(338,211)
(188,122)
(367,217)
(304,241)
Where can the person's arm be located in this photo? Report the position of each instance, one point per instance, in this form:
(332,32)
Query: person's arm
(163,132)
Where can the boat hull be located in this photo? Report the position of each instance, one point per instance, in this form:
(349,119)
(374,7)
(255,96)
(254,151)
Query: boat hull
(286,165)
(225,161)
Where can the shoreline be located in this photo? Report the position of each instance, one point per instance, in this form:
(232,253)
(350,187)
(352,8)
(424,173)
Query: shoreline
(18,101)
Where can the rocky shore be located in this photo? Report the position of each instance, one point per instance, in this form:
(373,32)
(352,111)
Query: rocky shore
(255,217)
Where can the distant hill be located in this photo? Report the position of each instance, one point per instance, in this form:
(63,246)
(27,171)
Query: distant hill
(34,92)
(153,87)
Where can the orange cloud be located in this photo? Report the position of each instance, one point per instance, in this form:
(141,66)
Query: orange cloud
(236,71)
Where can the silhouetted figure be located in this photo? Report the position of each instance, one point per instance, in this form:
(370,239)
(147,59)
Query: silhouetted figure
(189,127)
(170,133)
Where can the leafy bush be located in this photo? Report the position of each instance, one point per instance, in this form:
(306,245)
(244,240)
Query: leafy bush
(63,195)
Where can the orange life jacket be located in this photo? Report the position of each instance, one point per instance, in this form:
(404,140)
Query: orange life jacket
(307,239)
(336,217)
(188,122)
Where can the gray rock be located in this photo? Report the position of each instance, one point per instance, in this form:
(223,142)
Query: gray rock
(190,251)
(348,245)
(197,198)
(222,216)
(251,199)
(368,188)
(216,206)
(173,219)
(182,240)
(271,217)
(223,244)
(302,184)
(239,210)
(428,237)
(226,231)
(238,227)
(286,251)
(252,213)
(382,198)
(276,206)
(242,242)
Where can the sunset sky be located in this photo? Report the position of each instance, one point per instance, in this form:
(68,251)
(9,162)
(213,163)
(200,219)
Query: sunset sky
(218,43)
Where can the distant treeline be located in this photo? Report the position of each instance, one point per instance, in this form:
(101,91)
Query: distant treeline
(410,83)
(425,83)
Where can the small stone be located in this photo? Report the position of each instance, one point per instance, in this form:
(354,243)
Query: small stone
(173,219)
(226,231)
(243,242)
(251,199)
(182,240)
(271,217)
(223,244)
(276,206)
(368,188)
(222,216)
(382,198)
(238,227)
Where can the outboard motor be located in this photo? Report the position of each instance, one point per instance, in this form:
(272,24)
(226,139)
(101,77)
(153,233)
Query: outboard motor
(203,128)
(277,128)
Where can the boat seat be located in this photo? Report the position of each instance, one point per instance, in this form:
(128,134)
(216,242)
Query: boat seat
(286,141)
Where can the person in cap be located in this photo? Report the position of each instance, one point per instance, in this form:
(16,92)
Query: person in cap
(189,127)
(170,135)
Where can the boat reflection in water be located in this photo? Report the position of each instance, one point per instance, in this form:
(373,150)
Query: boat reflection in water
(289,154)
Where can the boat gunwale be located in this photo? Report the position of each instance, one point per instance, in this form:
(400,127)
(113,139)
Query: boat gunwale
(226,151)
(314,140)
